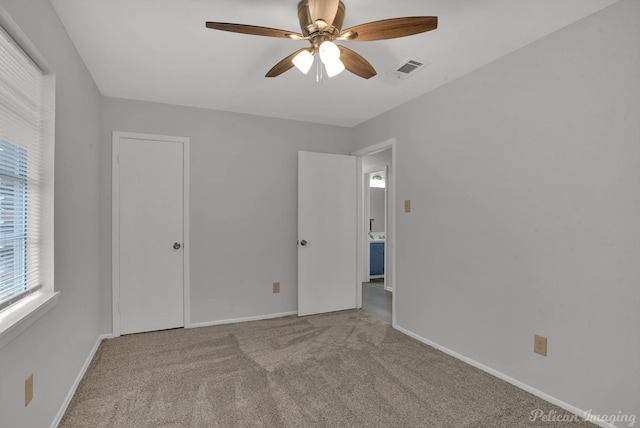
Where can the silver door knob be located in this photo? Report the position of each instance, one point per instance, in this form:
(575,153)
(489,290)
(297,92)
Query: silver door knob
(176,245)
(303,242)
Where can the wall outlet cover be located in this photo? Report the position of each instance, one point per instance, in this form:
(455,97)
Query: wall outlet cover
(540,345)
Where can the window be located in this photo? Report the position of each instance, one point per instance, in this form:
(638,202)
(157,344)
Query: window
(13,221)
(26,184)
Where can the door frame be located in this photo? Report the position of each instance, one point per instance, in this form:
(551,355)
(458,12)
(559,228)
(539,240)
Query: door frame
(115,221)
(390,240)
(366,200)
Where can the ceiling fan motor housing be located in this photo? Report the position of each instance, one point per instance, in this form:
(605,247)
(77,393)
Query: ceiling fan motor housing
(310,28)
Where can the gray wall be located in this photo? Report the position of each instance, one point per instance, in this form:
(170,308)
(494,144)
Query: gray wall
(243,212)
(524,178)
(376,207)
(57,345)
(376,163)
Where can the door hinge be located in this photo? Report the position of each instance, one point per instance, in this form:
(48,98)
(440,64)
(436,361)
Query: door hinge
(118,307)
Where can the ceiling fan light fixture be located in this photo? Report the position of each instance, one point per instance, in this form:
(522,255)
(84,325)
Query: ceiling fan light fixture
(321,24)
(329,52)
(330,56)
(303,61)
(334,67)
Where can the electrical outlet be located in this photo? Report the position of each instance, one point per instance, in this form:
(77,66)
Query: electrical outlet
(28,390)
(407,206)
(540,345)
(276,287)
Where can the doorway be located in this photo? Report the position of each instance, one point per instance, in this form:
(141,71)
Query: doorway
(322,253)
(376,230)
(150,217)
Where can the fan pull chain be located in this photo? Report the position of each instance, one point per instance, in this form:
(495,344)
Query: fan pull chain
(319,71)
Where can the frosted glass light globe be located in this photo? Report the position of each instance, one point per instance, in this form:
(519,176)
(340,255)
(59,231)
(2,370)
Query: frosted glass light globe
(329,52)
(303,61)
(330,56)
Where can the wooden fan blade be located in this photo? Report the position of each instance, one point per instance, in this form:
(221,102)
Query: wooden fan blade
(255,30)
(324,10)
(356,63)
(284,65)
(389,28)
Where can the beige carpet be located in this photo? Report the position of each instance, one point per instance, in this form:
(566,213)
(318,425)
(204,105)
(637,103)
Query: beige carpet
(346,369)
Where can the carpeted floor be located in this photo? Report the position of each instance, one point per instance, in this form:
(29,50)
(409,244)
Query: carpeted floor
(345,369)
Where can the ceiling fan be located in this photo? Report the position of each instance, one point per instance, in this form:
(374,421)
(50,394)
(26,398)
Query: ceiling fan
(321,23)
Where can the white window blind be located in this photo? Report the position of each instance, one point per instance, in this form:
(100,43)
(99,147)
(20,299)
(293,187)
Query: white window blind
(13,220)
(25,171)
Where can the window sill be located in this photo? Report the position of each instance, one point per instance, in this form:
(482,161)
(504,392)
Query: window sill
(18,317)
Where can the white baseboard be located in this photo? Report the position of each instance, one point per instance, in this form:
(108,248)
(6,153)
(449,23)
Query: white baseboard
(508,379)
(237,320)
(83,370)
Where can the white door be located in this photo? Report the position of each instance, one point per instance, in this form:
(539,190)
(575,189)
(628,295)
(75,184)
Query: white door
(150,234)
(327,233)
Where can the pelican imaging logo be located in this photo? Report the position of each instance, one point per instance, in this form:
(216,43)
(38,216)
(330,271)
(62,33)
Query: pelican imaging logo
(615,419)
(553,416)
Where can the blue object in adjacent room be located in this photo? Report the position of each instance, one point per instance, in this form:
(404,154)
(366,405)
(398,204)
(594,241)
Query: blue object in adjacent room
(376,263)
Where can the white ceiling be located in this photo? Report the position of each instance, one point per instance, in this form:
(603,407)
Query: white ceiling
(161,51)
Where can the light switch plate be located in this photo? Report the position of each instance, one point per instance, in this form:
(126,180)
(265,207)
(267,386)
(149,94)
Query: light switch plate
(407,206)
(28,390)
(276,287)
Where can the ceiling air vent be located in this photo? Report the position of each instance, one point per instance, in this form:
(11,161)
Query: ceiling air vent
(407,69)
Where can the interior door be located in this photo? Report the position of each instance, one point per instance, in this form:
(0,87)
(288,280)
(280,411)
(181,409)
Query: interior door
(327,233)
(150,235)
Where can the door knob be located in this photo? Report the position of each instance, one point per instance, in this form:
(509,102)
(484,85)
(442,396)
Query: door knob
(303,242)
(176,245)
